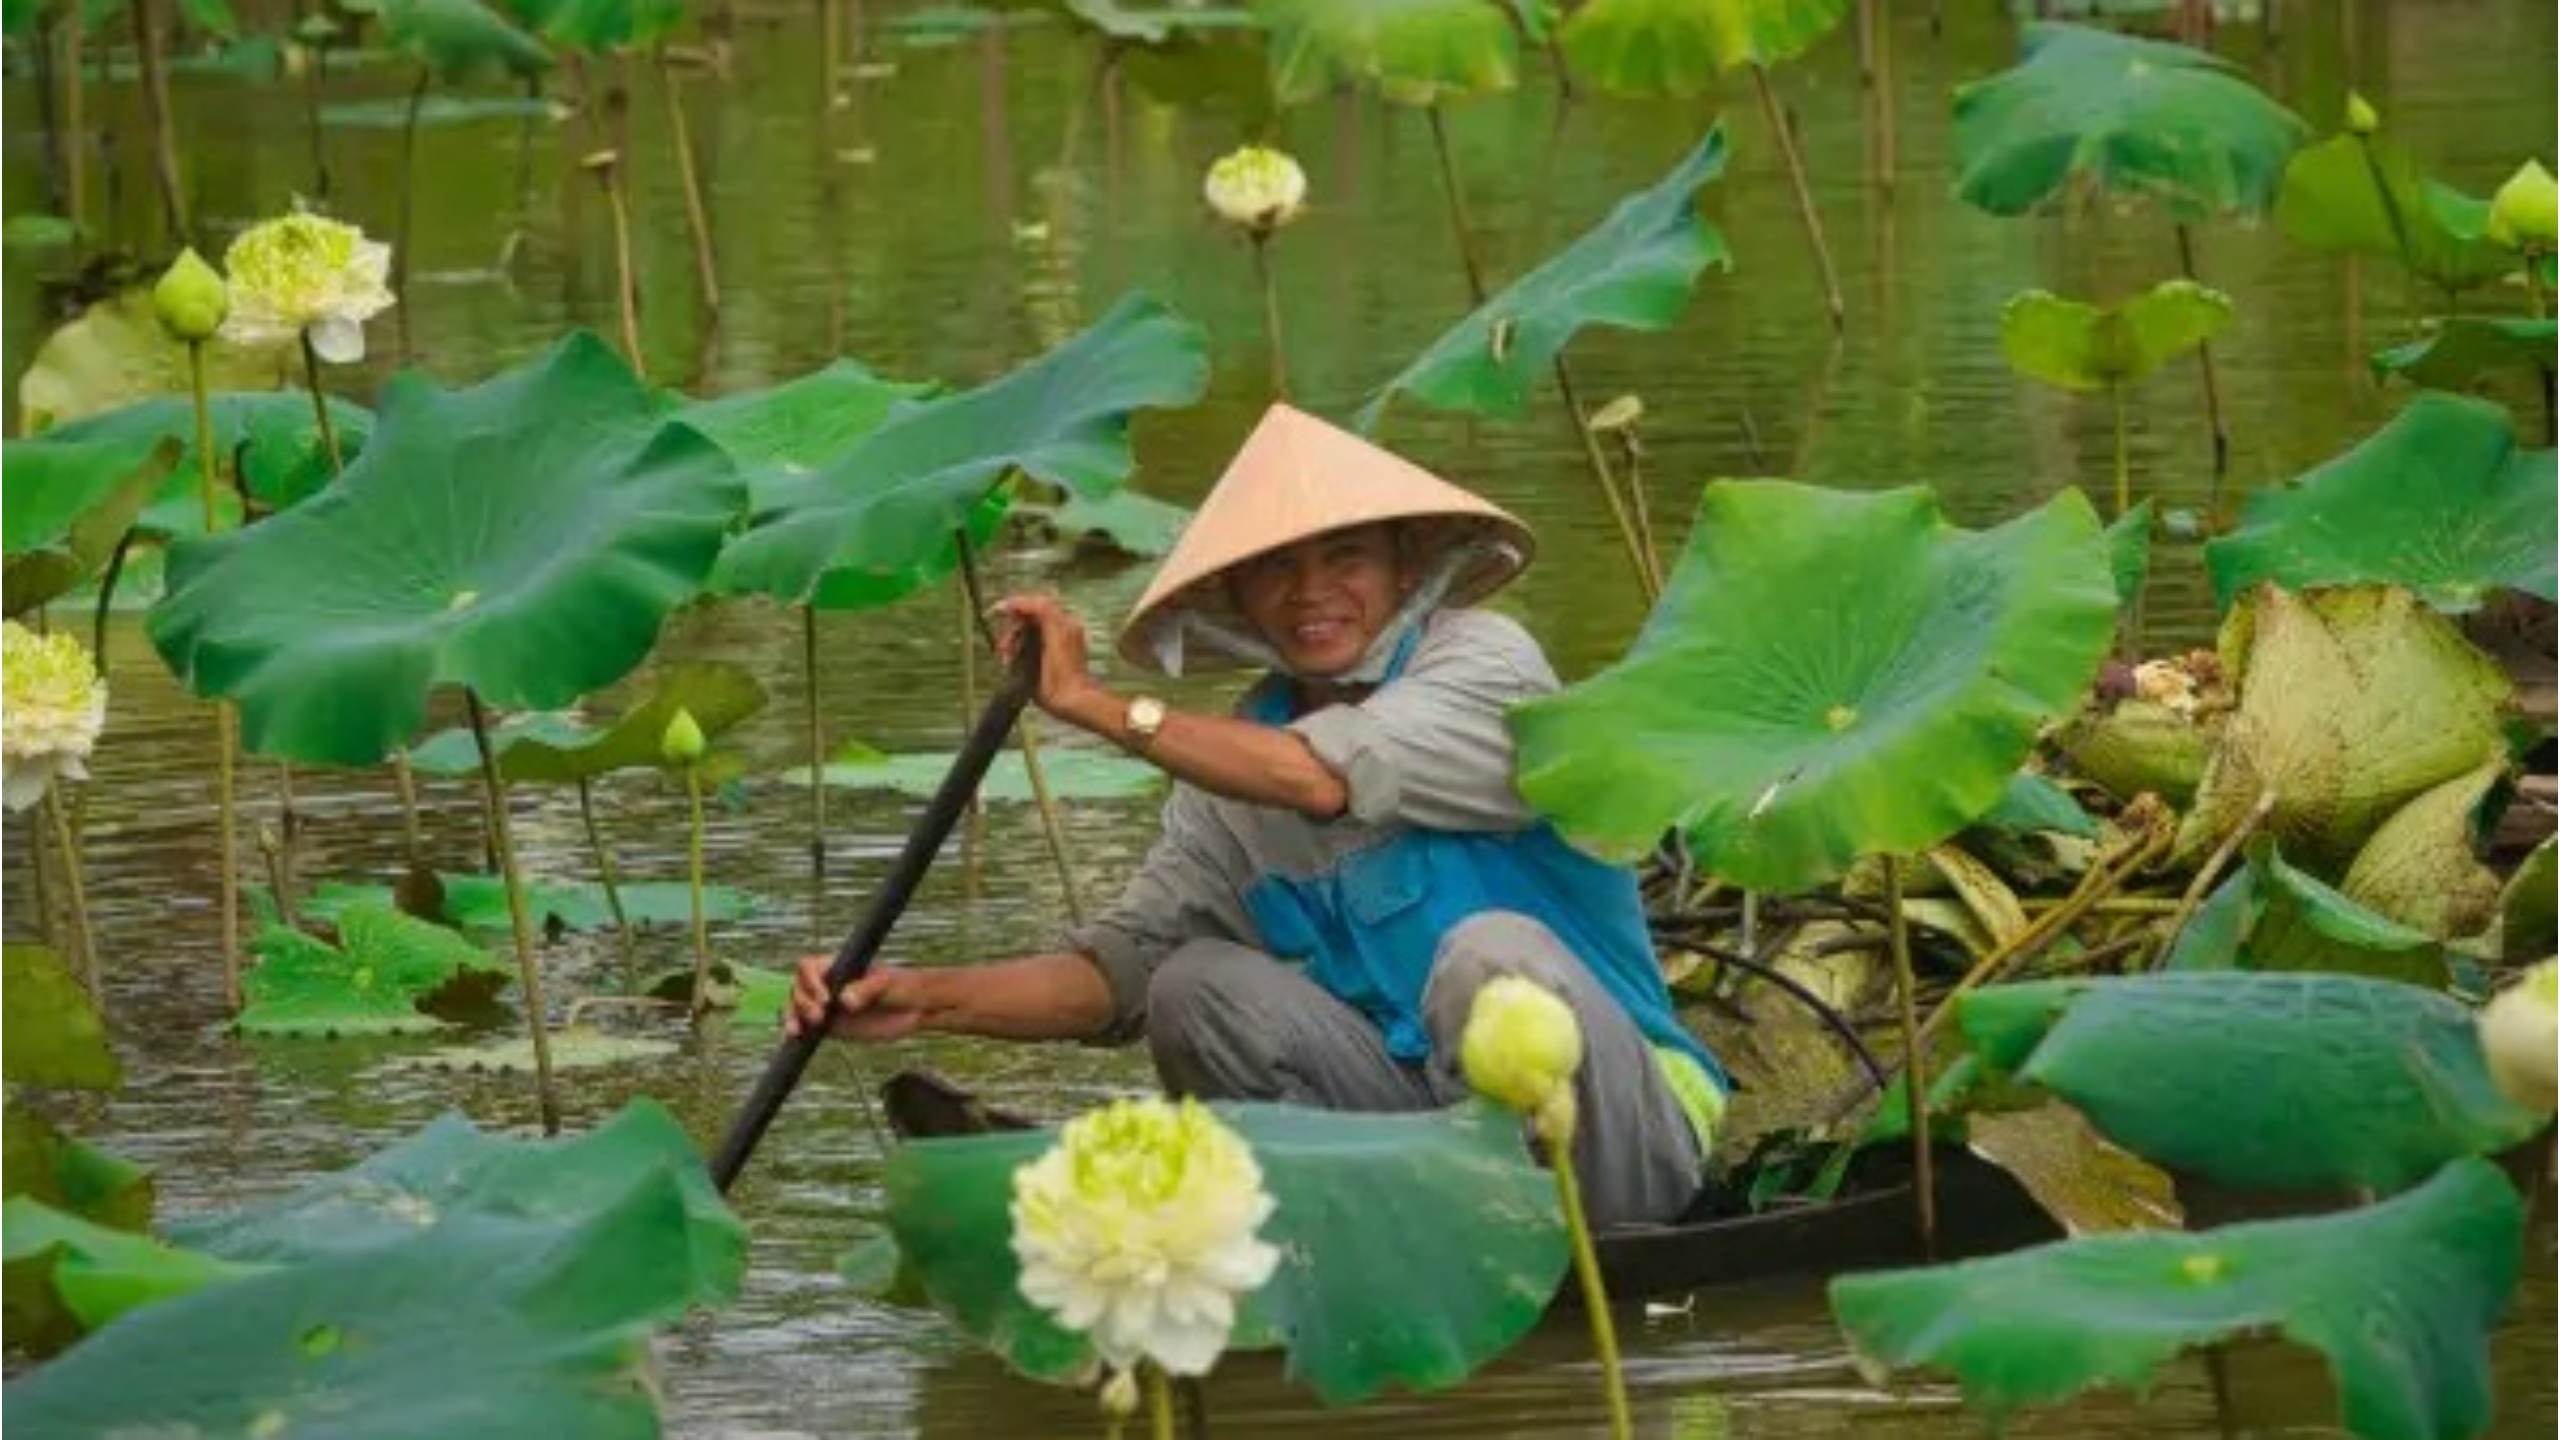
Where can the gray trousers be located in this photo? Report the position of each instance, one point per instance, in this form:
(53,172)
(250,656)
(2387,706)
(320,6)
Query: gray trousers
(1227,1022)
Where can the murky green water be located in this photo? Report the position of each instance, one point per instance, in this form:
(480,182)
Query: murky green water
(983,201)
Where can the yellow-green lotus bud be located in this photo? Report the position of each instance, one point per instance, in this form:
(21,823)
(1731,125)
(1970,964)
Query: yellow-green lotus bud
(190,298)
(682,744)
(2520,1031)
(2362,118)
(1520,1048)
(2525,213)
(1120,1394)
(1257,187)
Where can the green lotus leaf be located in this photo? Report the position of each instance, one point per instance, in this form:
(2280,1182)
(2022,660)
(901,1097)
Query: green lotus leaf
(2136,746)
(50,1031)
(2123,115)
(548,1320)
(2353,702)
(2364,195)
(2420,868)
(115,353)
(2305,924)
(2441,499)
(211,16)
(65,1275)
(459,38)
(2079,346)
(435,111)
(1124,521)
(2033,803)
(555,749)
(1072,773)
(1117,22)
(386,972)
(68,508)
(2399,1298)
(269,438)
(524,537)
(784,431)
(2212,937)
(1678,47)
(1633,271)
(1412,52)
(34,230)
(1788,723)
(479,902)
(2462,349)
(878,519)
(600,27)
(72,1175)
(2298,1081)
(2129,551)
(2526,927)
(1414,1247)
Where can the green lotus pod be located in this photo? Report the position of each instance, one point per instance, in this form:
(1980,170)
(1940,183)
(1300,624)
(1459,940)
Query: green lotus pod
(682,743)
(2525,212)
(2139,746)
(2362,118)
(2353,702)
(191,299)
(2419,868)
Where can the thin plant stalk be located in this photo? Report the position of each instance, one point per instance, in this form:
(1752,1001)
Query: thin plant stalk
(75,141)
(226,722)
(693,880)
(315,77)
(1271,314)
(697,215)
(84,947)
(609,874)
(2212,378)
(2211,870)
(155,105)
(2124,469)
(408,196)
(1915,1062)
(320,407)
(1159,1403)
(528,974)
(1595,1293)
(1457,205)
(1026,734)
(288,819)
(817,764)
(279,883)
(404,781)
(625,280)
(1785,134)
(2533,295)
(1888,122)
(1637,559)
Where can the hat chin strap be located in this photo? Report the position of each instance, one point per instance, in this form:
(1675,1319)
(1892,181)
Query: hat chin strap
(1170,636)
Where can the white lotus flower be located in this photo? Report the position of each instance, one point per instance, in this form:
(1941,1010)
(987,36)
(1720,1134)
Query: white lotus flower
(1138,1229)
(305,274)
(52,705)
(1257,187)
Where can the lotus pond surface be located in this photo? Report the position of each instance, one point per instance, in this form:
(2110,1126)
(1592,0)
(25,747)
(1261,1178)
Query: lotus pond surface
(979,200)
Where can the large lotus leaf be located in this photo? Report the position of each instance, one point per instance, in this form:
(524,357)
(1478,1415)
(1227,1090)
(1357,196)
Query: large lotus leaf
(2441,499)
(116,353)
(1072,773)
(1414,1247)
(384,973)
(66,1274)
(597,27)
(1789,721)
(460,38)
(2364,195)
(886,509)
(2464,348)
(524,537)
(1678,47)
(2122,114)
(68,507)
(2400,1298)
(2420,867)
(2137,745)
(554,748)
(1633,271)
(2293,1081)
(1415,52)
(271,439)
(2353,702)
(2526,907)
(2080,346)
(478,1324)
(50,1031)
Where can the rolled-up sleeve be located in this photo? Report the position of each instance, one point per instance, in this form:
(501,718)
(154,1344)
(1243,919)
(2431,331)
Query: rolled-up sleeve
(1185,890)
(1430,748)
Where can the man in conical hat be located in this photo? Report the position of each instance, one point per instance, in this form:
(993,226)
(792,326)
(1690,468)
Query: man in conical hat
(1345,860)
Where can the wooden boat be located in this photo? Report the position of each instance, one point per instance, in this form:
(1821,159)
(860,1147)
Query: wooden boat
(1867,1226)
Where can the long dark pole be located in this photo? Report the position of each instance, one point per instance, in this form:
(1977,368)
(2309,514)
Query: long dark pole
(853,958)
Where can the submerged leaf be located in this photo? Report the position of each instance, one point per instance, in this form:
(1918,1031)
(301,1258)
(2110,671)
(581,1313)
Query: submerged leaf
(1787,723)
(2399,1297)
(2080,346)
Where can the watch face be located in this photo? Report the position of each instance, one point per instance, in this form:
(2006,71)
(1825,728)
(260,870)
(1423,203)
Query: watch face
(1145,714)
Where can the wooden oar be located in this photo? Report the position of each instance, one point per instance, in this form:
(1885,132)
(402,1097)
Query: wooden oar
(853,958)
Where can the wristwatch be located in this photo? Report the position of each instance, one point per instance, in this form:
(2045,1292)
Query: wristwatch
(1146,717)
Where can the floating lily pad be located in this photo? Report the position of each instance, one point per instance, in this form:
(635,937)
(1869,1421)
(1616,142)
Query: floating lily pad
(2463,349)
(1678,47)
(1072,773)
(2400,1298)
(2079,346)
(1414,1247)
(557,749)
(1125,521)
(387,971)
(2120,114)
(1633,271)
(1158,26)
(2291,1082)
(479,902)
(573,1047)
(33,231)
(600,27)
(1788,723)
(879,517)
(753,996)
(52,1034)
(1412,52)
(524,537)
(2441,499)
(436,111)
(2364,195)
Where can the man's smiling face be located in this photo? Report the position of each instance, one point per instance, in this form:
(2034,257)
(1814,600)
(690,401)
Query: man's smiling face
(1323,600)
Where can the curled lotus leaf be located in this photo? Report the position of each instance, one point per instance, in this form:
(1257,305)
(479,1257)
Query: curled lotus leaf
(269,439)
(524,537)
(116,353)
(66,1275)
(2441,499)
(69,508)
(2353,702)
(1072,772)
(2400,1298)
(2365,195)
(1412,52)
(2270,915)
(2421,866)
(556,749)
(1788,724)
(1679,47)
(2124,115)
(2079,346)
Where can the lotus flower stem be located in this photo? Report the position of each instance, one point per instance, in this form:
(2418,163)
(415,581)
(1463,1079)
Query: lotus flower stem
(1457,205)
(1595,1292)
(2212,380)
(1915,1063)
(280,884)
(1888,123)
(693,881)
(2124,473)
(696,214)
(611,877)
(226,726)
(1786,138)
(1271,315)
(1632,452)
(84,948)
(75,143)
(608,174)
(1159,1403)
(1027,735)
(817,769)
(404,781)
(1647,580)
(2211,870)
(494,787)
(320,407)
(155,105)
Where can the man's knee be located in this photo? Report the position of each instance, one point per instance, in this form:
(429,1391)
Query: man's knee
(1194,989)
(1484,945)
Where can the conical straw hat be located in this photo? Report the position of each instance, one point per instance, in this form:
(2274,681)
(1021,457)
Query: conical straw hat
(1298,476)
